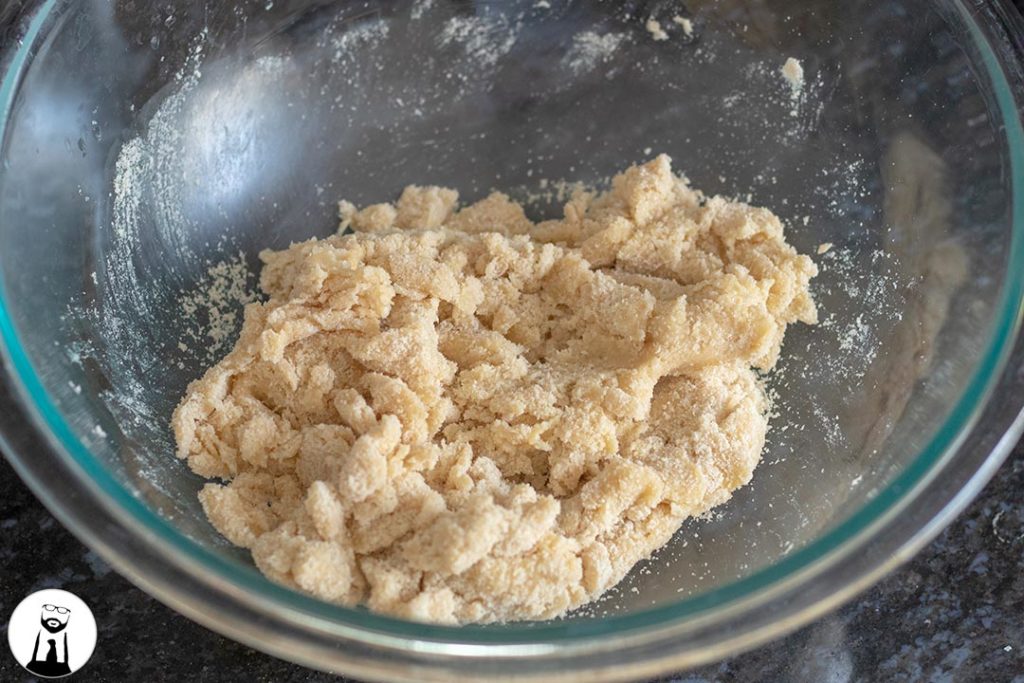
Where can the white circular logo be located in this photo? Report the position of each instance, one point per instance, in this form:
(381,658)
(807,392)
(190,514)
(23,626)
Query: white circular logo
(52,633)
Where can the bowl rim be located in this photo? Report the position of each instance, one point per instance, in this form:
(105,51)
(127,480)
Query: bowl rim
(305,612)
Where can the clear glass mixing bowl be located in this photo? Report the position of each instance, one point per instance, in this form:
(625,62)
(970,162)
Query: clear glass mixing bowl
(150,150)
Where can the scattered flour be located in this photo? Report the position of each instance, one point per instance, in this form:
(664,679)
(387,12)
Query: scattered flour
(420,8)
(210,307)
(369,33)
(857,337)
(130,169)
(590,48)
(148,165)
(145,199)
(485,39)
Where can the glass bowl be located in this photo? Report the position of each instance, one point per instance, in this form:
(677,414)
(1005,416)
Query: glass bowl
(149,151)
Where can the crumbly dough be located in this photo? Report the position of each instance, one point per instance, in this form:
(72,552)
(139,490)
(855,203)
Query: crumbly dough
(685,23)
(457,415)
(653,27)
(793,72)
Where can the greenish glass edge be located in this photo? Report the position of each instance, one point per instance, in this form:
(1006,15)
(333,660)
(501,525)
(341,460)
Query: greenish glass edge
(965,410)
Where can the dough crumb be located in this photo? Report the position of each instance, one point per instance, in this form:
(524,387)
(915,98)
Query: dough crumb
(686,24)
(222,288)
(653,27)
(824,248)
(793,72)
(455,414)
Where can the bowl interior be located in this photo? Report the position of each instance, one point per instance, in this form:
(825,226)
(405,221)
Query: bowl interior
(149,154)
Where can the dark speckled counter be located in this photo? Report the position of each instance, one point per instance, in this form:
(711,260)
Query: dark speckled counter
(955,613)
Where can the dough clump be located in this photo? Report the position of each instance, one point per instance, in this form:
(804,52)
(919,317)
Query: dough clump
(458,415)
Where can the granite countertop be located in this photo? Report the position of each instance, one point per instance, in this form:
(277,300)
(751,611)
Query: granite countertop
(953,614)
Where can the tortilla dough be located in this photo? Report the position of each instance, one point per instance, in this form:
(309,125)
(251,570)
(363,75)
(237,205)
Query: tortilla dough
(462,416)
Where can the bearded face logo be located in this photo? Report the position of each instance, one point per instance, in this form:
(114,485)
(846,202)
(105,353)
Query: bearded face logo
(49,658)
(44,637)
(54,618)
